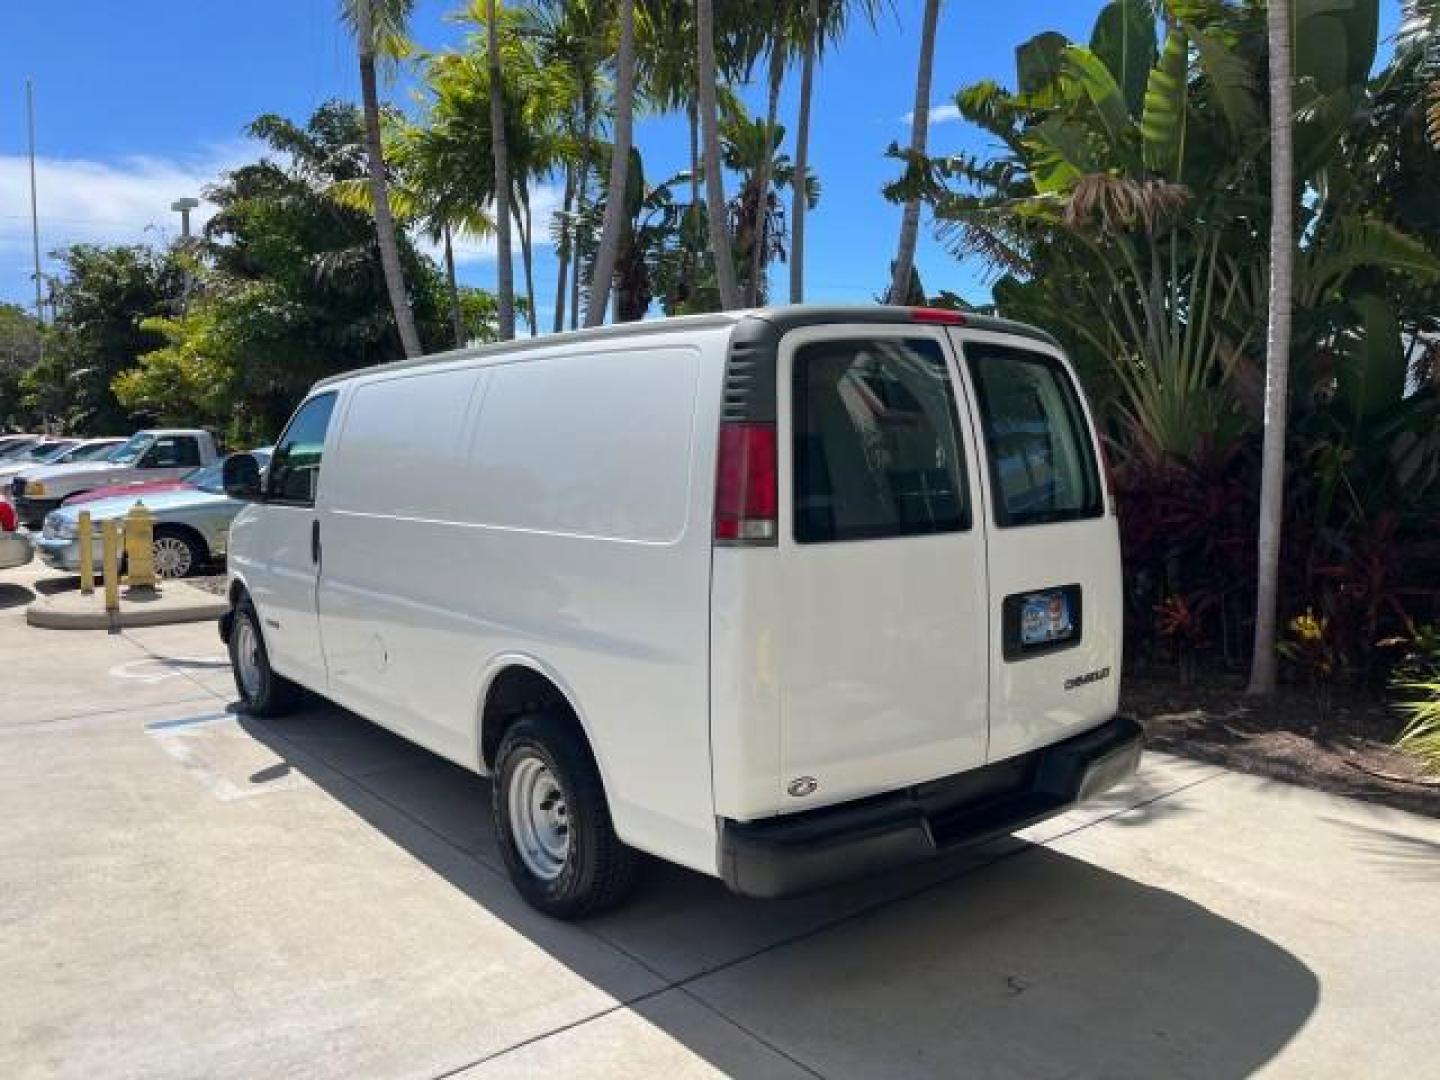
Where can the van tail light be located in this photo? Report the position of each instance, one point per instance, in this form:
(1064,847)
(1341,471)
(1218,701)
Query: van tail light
(8,520)
(745,485)
(937,316)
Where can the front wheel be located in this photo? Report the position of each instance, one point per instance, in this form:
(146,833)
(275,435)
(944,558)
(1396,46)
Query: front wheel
(177,554)
(553,824)
(263,691)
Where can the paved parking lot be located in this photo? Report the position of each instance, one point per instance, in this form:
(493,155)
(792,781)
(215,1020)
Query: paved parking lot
(187,892)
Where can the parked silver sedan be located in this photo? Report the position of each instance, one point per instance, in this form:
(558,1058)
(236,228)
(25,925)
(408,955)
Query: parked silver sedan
(192,524)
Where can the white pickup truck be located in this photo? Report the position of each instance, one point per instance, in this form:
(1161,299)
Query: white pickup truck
(154,454)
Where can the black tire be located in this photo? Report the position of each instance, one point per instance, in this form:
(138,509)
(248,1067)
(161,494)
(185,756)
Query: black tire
(598,870)
(271,694)
(194,562)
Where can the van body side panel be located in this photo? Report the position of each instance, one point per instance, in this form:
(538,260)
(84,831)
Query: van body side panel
(1050,695)
(745,681)
(556,521)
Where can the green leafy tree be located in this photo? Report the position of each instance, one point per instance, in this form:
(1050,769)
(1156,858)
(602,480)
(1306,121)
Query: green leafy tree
(101,300)
(20,351)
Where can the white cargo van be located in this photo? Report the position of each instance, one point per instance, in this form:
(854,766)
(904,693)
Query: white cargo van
(783,596)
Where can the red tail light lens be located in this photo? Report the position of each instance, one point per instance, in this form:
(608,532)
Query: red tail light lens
(940,316)
(8,521)
(745,485)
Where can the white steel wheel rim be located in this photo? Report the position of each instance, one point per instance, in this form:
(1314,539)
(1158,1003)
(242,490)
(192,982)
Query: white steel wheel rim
(247,656)
(172,557)
(539,818)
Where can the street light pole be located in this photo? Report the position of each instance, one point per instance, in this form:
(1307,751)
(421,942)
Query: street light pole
(34,204)
(184,206)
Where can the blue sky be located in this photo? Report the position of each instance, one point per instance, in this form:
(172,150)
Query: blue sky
(142,102)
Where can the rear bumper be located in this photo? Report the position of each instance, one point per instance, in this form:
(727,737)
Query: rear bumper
(798,852)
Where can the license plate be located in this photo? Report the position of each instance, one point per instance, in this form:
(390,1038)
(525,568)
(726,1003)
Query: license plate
(1045,618)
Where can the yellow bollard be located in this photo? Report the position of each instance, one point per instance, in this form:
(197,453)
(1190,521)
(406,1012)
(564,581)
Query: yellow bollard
(110,564)
(86,534)
(140,548)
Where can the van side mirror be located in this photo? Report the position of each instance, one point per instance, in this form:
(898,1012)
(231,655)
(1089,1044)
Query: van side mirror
(241,476)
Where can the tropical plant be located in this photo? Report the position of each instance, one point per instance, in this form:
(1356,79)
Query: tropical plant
(379,27)
(500,155)
(750,148)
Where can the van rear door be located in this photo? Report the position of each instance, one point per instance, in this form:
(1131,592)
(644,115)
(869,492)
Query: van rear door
(1054,551)
(884,632)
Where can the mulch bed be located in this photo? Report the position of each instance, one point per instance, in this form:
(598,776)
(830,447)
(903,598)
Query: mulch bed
(1342,745)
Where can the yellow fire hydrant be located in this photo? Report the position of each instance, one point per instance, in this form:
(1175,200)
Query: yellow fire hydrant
(140,548)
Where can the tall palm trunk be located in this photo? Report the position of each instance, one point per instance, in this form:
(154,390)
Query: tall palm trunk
(582,191)
(710,138)
(919,129)
(567,233)
(526,224)
(692,214)
(1277,344)
(753,288)
(505,285)
(799,202)
(380,197)
(603,277)
(457,318)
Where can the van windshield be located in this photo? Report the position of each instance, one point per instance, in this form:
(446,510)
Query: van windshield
(1042,462)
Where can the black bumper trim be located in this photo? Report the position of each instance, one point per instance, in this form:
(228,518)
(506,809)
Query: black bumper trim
(798,852)
(33,512)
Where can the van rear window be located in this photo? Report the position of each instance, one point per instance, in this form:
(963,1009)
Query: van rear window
(1042,461)
(876,449)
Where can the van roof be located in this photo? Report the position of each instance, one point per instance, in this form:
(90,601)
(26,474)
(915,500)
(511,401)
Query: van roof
(780,320)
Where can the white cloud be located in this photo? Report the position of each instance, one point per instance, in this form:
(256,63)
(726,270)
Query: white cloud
(122,201)
(939,114)
(127,201)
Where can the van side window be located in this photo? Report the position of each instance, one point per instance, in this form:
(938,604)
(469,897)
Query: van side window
(295,467)
(1042,461)
(876,448)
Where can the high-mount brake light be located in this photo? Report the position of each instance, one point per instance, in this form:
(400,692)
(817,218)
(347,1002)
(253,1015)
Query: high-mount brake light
(939,316)
(746,497)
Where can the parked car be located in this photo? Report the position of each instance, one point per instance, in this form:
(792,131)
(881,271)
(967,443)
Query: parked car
(147,455)
(15,546)
(14,445)
(192,524)
(57,452)
(139,488)
(754,592)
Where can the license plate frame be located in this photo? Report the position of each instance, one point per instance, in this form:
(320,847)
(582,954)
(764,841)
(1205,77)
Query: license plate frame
(1043,620)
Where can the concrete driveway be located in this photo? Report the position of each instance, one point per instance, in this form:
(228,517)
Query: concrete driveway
(187,892)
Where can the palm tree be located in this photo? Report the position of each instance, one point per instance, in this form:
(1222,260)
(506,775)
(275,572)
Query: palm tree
(779,44)
(604,272)
(505,285)
(919,129)
(820,23)
(379,29)
(798,199)
(1277,343)
(710,138)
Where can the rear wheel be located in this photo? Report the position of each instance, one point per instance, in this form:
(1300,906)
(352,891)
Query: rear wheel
(553,824)
(177,553)
(263,692)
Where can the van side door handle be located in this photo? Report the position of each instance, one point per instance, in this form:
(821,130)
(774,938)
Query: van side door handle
(315,541)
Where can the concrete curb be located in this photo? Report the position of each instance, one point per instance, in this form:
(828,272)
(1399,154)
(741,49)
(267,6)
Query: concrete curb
(175,603)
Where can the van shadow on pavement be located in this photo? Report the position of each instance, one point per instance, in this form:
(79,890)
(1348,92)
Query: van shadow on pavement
(1008,960)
